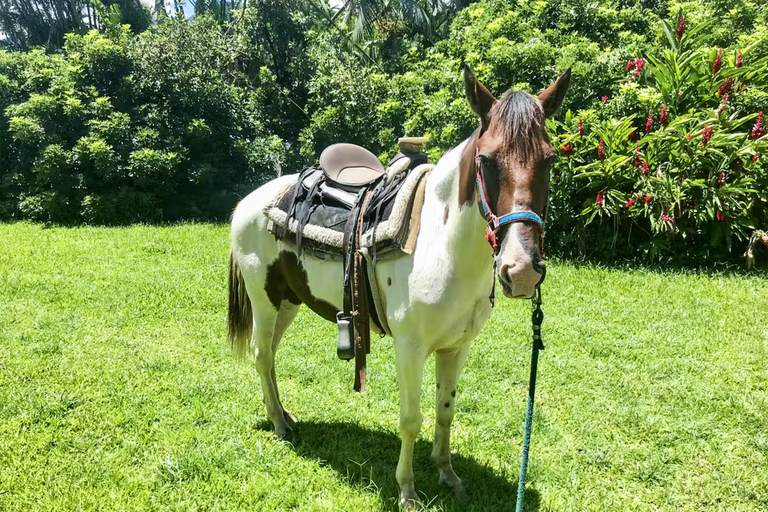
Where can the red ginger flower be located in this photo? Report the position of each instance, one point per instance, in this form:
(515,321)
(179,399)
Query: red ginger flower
(663,117)
(601,151)
(604,98)
(725,89)
(720,216)
(718,61)
(706,134)
(758,130)
(720,110)
(567,149)
(630,64)
(688,137)
(720,179)
(581,128)
(599,199)
(630,202)
(739,59)
(754,158)
(649,123)
(647,199)
(680,28)
(646,170)
(639,63)
(667,218)
(637,157)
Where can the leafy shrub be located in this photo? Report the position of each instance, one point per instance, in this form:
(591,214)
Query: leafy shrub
(681,178)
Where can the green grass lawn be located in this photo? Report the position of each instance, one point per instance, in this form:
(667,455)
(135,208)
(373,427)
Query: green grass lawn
(118,391)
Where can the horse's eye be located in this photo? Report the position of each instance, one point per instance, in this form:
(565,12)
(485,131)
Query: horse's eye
(488,163)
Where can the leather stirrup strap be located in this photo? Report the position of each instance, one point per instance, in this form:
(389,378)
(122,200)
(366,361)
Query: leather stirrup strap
(361,316)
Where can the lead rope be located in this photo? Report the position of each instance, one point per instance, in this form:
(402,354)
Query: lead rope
(537,316)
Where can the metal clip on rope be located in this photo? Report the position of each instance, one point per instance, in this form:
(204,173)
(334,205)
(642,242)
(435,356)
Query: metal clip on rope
(537,317)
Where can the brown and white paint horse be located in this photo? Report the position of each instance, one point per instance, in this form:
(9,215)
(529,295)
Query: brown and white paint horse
(436,299)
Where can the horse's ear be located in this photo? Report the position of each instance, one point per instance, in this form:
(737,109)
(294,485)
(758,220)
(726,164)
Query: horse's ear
(552,97)
(480,98)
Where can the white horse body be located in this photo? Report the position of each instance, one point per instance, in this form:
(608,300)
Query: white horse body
(436,299)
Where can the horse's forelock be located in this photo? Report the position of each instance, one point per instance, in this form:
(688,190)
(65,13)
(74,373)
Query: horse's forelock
(521,119)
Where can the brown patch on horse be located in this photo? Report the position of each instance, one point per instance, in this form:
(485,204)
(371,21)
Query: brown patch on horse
(512,144)
(287,280)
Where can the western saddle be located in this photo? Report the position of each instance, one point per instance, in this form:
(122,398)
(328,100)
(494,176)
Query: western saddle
(352,177)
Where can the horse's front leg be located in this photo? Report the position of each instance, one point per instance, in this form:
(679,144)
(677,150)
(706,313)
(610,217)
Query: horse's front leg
(409,359)
(448,365)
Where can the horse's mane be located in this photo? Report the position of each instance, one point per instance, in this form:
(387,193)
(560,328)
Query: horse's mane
(522,120)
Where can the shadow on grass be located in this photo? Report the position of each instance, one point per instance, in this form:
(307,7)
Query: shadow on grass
(367,459)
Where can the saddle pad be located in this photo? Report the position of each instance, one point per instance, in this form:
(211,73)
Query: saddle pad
(324,233)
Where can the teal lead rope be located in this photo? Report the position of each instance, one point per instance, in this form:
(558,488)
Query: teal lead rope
(537,316)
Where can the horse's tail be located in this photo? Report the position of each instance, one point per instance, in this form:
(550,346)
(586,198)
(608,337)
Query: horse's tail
(240,314)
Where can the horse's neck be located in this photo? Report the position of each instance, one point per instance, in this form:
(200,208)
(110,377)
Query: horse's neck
(458,230)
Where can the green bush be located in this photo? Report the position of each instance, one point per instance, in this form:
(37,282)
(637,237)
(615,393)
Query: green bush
(683,175)
(124,128)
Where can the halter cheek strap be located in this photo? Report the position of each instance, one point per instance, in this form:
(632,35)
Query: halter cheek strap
(494,222)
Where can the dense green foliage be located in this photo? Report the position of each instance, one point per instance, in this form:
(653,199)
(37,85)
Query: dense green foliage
(118,391)
(180,120)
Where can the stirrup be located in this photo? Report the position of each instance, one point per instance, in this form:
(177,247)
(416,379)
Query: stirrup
(345,346)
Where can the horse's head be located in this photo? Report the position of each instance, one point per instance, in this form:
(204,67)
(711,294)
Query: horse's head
(512,155)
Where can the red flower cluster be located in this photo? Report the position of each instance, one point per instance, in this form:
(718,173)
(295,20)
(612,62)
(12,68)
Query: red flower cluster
(637,157)
(754,158)
(601,151)
(646,170)
(649,123)
(739,59)
(581,128)
(630,64)
(599,199)
(758,130)
(667,218)
(720,216)
(663,117)
(720,110)
(720,179)
(639,63)
(604,98)
(706,134)
(725,89)
(680,27)
(630,202)
(567,149)
(647,199)
(718,61)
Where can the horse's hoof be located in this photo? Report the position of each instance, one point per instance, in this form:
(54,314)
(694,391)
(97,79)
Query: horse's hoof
(449,479)
(285,434)
(290,419)
(411,504)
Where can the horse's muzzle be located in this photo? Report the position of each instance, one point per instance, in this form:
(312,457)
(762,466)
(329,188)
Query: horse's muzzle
(520,279)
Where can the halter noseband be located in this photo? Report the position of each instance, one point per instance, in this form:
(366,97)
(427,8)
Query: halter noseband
(494,222)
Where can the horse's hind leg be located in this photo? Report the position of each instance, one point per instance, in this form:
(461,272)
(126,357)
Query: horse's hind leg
(268,327)
(448,365)
(285,316)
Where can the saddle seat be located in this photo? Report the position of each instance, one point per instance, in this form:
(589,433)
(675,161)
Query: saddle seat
(350,166)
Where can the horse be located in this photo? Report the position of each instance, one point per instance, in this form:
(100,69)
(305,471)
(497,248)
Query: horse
(437,298)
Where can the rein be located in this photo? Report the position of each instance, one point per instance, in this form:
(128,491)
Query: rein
(537,317)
